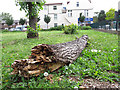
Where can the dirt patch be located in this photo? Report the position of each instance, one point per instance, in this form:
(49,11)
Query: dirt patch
(107,31)
(93,83)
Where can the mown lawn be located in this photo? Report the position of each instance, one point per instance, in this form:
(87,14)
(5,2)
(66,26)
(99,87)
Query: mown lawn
(101,63)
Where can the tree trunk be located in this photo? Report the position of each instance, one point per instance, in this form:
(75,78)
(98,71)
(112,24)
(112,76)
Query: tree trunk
(32,21)
(47,26)
(49,57)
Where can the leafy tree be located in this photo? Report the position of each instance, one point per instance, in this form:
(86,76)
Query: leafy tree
(101,18)
(81,18)
(9,21)
(22,21)
(95,19)
(110,14)
(47,19)
(7,17)
(32,9)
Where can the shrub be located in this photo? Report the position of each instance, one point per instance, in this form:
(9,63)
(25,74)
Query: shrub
(5,30)
(38,28)
(70,29)
(85,27)
(31,33)
(79,27)
(57,28)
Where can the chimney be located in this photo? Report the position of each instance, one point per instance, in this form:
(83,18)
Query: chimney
(68,2)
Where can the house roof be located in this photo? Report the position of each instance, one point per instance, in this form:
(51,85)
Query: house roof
(83,5)
(53,4)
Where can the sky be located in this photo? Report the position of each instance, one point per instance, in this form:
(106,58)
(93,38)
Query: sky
(9,6)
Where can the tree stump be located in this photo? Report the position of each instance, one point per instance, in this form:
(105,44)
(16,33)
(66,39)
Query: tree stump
(49,57)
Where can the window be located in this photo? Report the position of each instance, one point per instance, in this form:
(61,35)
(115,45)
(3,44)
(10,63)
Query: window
(55,24)
(54,7)
(55,16)
(87,12)
(69,13)
(77,4)
(45,7)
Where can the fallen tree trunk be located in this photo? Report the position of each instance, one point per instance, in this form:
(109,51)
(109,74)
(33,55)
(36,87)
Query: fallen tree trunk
(49,57)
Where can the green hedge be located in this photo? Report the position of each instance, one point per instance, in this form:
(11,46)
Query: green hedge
(84,27)
(70,29)
(58,28)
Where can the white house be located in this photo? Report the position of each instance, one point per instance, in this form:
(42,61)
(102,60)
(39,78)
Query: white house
(65,13)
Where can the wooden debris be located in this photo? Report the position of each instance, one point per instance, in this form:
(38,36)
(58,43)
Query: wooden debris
(49,57)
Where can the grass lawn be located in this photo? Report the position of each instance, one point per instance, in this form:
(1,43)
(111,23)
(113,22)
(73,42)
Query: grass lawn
(102,65)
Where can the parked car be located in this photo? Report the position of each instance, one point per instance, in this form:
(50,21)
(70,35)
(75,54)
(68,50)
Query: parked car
(24,28)
(6,28)
(12,29)
(18,28)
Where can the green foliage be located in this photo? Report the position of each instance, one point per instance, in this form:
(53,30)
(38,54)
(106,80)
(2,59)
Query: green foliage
(70,29)
(57,28)
(85,28)
(7,18)
(81,18)
(95,19)
(35,6)
(38,28)
(5,30)
(9,21)
(22,21)
(32,10)
(103,65)
(47,19)
(31,30)
(110,14)
(101,17)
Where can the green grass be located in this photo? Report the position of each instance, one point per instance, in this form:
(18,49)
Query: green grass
(102,65)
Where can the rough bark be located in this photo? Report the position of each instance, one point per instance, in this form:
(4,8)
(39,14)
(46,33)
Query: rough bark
(49,57)
(32,21)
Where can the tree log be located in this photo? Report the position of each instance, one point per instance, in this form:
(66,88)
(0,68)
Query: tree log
(49,57)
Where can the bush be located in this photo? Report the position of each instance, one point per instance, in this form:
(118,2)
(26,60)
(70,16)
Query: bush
(38,28)
(70,29)
(79,27)
(31,33)
(57,28)
(5,30)
(85,27)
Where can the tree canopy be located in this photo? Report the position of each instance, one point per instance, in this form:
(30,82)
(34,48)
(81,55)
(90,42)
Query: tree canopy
(35,6)
(22,21)
(101,17)
(81,18)
(32,10)
(9,21)
(47,19)
(7,17)
(110,14)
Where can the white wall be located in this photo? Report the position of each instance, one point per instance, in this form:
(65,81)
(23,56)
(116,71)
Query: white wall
(119,5)
(62,18)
